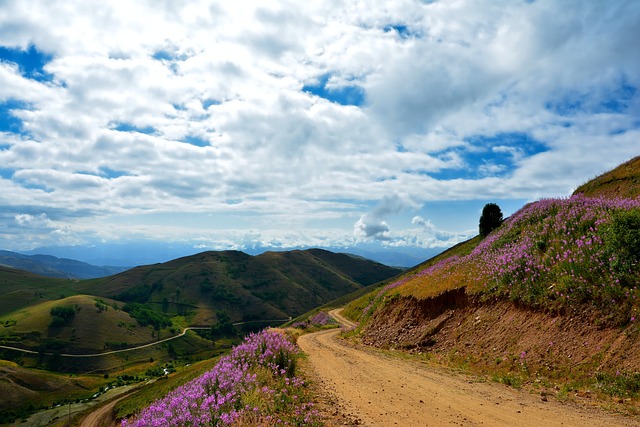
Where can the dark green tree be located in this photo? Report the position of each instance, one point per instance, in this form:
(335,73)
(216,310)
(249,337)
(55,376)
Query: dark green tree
(490,219)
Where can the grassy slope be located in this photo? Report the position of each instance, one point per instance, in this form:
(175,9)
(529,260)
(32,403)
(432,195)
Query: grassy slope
(89,331)
(20,289)
(550,254)
(356,305)
(26,388)
(270,286)
(623,181)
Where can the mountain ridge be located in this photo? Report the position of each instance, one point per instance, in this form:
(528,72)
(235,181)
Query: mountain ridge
(51,266)
(149,301)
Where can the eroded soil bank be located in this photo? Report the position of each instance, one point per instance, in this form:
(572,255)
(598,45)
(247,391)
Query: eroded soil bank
(500,335)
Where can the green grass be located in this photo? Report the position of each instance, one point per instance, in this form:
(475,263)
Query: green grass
(26,390)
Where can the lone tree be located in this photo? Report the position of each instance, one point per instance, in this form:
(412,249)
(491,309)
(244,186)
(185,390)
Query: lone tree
(490,219)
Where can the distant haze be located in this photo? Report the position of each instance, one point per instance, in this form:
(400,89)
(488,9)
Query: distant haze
(131,255)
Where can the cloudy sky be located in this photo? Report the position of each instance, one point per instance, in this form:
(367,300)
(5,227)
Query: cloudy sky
(233,124)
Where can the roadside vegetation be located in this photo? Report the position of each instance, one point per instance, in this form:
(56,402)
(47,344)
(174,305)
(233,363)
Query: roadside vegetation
(256,384)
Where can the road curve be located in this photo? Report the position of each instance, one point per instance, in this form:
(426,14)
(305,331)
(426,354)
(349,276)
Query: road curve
(103,415)
(386,390)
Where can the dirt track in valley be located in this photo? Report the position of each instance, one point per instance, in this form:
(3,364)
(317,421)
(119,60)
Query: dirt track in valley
(378,389)
(101,417)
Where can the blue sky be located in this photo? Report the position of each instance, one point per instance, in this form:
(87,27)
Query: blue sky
(342,124)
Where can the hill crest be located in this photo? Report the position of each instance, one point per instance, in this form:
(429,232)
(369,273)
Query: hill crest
(622,181)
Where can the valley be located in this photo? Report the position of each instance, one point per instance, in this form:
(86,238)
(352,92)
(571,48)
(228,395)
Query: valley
(141,322)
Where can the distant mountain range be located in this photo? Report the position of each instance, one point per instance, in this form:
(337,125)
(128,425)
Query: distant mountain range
(50,266)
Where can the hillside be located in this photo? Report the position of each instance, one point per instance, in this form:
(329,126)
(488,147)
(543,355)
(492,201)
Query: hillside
(19,288)
(153,302)
(623,181)
(553,293)
(273,285)
(95,326)
(50,266)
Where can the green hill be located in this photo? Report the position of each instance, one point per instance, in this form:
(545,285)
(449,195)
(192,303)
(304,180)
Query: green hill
(95,326)
(153,302)
(19,289)
(273,285)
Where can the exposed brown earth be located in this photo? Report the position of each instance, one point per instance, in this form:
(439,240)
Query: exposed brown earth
(503,334)
(375,388)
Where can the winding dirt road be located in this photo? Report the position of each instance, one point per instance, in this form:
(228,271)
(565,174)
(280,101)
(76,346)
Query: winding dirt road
(377,389)
(102,416)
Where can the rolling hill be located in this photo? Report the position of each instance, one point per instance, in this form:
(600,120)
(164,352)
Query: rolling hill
(553,293)
(155,301)
(273,285)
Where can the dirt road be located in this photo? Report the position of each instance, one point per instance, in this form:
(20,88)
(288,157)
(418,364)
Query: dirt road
(101,417)
(383,390)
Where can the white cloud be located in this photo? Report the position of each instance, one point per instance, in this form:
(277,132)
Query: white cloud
(373,224)
(28,220)
(199,108)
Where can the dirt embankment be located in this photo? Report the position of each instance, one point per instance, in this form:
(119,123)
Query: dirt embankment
(372,388)
(501,334)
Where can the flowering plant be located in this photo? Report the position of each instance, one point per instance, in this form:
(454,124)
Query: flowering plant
(254,385)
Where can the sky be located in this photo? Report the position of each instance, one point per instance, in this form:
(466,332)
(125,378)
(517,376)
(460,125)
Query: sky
(275,124)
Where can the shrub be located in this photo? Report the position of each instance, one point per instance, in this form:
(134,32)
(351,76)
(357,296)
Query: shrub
(146,316)
(223,326)
(62,315)
(623,242)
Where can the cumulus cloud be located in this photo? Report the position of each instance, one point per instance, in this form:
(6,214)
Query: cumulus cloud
(38,221)
(373,224)
(421,222)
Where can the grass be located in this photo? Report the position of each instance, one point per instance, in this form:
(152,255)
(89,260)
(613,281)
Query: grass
(90,329)
(20,289)
(26,390)
(623,181)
